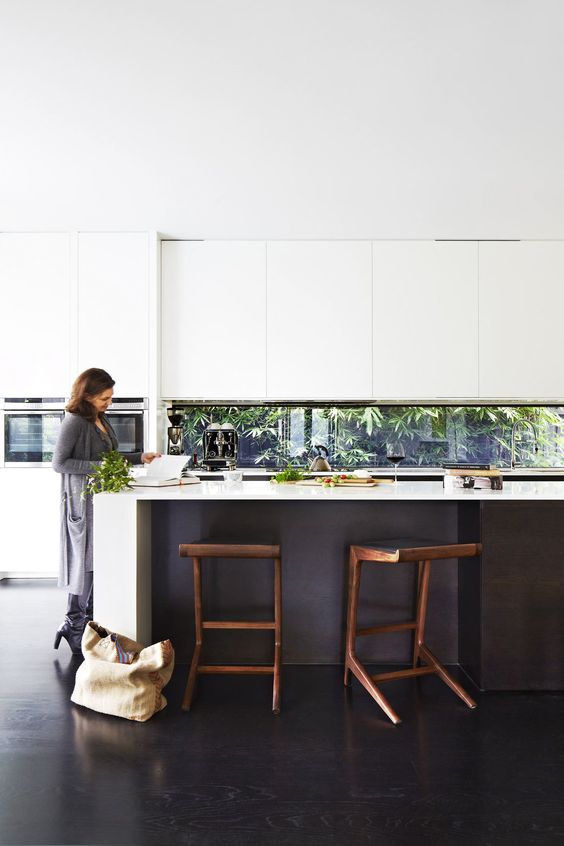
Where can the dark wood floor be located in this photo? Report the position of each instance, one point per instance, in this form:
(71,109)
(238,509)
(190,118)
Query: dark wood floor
(330,770)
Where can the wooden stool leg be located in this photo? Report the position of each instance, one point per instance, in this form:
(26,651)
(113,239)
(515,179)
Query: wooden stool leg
(443,673)
(277,635)
(423,578)
(422,651)
(352,610)
(417,594)
(351,661)
(374,691)
(193,674)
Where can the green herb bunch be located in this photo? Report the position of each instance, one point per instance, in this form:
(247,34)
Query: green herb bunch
(113,474)
(290,474)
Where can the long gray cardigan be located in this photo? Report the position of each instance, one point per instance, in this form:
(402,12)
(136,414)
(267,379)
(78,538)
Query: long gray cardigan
(79,447)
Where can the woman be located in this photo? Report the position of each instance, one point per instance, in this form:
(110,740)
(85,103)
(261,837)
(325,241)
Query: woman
(85,435)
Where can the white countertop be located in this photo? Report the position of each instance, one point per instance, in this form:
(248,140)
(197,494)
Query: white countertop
(413,490)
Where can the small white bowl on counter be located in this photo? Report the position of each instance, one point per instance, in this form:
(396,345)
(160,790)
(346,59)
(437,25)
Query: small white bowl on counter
(232,477)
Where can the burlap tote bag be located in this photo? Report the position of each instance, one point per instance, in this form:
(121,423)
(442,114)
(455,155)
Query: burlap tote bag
(120,677)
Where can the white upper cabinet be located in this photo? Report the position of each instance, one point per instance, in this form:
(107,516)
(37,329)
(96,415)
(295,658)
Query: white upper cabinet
(521,308)
(213,319)
(36,321)
(425,319)
(319,320)
(113,308)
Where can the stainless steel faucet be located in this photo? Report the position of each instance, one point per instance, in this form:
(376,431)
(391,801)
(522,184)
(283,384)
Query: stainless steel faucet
(514,428)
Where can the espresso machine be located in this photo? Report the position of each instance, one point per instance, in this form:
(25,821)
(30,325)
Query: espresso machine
(220,447)
(175,432)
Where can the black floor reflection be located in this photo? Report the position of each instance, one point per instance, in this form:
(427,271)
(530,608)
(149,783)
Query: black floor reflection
(332,769)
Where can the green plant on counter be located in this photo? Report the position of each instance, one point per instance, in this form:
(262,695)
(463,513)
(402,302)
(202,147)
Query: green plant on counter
(289,474)
(113,474)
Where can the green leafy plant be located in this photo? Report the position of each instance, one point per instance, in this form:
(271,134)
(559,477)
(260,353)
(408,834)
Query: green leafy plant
(289,474)
(113,474)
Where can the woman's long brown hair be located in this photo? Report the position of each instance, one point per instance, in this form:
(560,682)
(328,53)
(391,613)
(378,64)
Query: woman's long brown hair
(93,381)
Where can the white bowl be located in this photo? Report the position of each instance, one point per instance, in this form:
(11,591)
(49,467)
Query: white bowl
(233,476)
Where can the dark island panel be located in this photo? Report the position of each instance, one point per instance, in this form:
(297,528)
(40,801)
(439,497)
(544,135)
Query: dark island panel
(522,596)
(315,537)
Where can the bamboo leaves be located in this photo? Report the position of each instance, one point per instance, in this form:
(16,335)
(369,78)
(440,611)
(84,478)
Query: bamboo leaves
(271,436)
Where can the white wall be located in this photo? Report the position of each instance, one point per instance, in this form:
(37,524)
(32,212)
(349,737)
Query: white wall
(283,118)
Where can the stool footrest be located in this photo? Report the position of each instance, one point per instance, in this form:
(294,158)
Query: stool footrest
(237,624)
(404,674)
(209,669)
(393,627)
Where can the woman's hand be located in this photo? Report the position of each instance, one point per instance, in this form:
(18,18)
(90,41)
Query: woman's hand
(147,457)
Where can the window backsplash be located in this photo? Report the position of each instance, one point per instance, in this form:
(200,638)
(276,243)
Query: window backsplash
(356,436)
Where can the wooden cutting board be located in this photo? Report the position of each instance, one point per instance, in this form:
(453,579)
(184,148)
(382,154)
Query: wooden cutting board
(347,483)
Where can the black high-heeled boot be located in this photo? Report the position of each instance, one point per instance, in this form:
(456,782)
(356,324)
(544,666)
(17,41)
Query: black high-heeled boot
(79,612)
(72,634)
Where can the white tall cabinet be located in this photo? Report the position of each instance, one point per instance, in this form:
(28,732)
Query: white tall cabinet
(113,308)
(319,320)
(213,319)
(35,340)
(69,301)
(521,311)
(425,308)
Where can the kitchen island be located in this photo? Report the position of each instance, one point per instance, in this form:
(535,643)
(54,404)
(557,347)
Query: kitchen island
(499,617)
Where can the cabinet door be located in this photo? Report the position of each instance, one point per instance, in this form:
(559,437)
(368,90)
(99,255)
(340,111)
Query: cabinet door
(521,308)
(113,308)
(425,319)
(30,492)
(36,325)
(319,323)
(213,319)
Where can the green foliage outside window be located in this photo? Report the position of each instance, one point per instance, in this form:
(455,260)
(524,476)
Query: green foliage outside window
(271,436)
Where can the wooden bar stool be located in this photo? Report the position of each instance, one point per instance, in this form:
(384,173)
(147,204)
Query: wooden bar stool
(201,549)
(399,551)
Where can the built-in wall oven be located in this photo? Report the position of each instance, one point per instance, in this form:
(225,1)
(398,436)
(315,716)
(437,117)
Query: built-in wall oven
(129,419)
(30,429)
(30,426)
